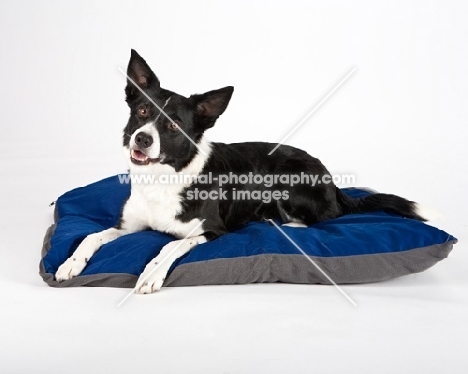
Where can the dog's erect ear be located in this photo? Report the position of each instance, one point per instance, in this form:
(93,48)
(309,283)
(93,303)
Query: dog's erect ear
(210,105)
(140,73)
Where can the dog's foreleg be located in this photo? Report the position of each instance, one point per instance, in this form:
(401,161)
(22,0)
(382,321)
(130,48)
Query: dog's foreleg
(152,278)
(88,247)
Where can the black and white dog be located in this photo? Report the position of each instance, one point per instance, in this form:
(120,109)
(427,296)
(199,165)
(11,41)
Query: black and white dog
(172,142)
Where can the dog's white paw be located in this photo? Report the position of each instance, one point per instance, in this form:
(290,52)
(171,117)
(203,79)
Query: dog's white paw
(70,268)
(151,280)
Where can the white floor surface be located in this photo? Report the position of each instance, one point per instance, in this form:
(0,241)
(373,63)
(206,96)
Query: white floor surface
(399,123)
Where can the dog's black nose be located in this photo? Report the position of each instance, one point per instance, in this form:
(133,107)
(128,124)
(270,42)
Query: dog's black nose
(143,140)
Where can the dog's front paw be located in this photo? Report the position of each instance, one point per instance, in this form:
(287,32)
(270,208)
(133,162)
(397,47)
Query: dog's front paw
(151,280)
(70,268)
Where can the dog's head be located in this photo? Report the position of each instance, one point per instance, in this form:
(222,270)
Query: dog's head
(168,135)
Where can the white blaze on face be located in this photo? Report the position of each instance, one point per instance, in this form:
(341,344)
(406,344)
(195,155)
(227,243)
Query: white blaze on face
(154,150)
(149,128)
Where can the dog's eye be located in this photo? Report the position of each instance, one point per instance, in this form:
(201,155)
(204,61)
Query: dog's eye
(172,126)
(143,112)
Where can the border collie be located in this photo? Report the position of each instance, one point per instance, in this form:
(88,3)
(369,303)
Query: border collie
(167,139)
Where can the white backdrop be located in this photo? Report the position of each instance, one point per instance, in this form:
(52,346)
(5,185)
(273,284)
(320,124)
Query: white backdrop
(398,124)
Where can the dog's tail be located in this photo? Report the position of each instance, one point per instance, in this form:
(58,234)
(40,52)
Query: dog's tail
(386,202)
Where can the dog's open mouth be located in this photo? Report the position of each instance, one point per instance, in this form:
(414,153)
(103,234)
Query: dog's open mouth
(139,158)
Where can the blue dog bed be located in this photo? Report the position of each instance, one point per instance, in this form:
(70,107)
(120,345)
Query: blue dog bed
(356,248)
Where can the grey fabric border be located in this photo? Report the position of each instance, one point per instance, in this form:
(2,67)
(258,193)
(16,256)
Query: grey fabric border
(270,268)
(97,280)
(298,269)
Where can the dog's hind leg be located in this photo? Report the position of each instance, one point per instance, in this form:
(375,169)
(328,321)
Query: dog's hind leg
(294,224)
(309,205)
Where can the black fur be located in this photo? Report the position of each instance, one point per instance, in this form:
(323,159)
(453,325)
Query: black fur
(307,204)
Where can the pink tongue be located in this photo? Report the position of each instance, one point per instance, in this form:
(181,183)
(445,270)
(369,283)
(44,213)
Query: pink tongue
(140,156)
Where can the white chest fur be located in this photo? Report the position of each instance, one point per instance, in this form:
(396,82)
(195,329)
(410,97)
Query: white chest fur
(156,205)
